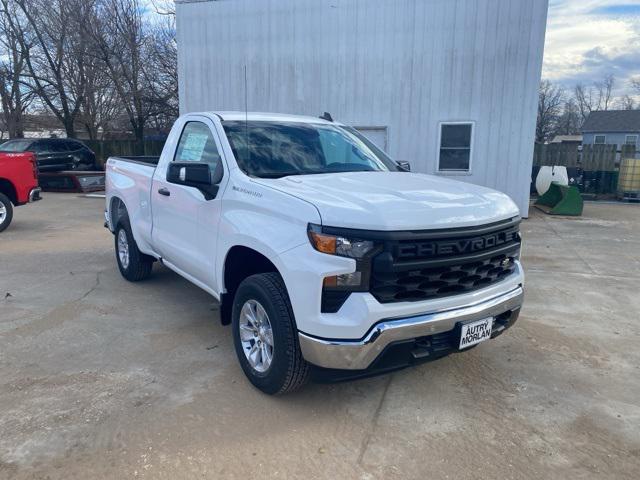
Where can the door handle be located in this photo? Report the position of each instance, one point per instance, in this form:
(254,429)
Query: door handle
(165,192)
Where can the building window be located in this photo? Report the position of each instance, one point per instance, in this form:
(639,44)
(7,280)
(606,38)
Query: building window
(456,145)
(631,140)
(600,140)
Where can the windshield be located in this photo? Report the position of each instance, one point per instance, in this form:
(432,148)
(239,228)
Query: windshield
(279,149)
(15,146)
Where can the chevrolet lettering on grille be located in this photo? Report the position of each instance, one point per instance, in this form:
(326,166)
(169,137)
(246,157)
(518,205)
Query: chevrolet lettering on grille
(443,248)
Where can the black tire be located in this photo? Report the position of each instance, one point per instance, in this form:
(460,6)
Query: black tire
(288,370)
(139,265)
(8,216)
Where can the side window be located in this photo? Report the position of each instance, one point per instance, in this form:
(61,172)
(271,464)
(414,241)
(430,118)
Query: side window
(71,146)
(600,140)
(16,146)
(55,146)
(41,146)
(456,141)
(197,145)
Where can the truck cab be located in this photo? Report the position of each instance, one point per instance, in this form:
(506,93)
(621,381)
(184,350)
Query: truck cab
(329,259)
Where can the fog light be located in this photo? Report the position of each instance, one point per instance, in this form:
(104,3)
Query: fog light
(345,280)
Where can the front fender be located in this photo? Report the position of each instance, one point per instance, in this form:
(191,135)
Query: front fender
(265,220)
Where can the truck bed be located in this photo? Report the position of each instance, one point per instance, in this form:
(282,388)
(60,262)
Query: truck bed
(132,178)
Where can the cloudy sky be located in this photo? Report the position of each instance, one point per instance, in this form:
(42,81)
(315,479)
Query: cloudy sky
(588,39)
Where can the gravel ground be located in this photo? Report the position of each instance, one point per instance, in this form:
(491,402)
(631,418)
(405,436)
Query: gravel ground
(100,378)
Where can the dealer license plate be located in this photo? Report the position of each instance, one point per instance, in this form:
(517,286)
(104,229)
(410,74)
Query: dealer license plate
(475,332)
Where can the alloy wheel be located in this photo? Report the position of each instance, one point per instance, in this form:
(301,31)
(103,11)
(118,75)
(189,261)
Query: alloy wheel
(3,213)
(123,249)
(256,335)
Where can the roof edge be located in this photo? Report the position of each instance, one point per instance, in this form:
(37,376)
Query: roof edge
(631,131)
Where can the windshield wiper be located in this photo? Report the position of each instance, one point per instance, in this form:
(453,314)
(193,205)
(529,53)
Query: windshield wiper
(277,174)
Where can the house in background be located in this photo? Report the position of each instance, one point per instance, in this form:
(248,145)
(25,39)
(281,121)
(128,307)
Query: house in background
(612,127)
(449,86)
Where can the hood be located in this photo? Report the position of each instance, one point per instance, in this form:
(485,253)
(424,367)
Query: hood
(396,200)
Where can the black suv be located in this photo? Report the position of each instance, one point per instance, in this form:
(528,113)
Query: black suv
(55,154)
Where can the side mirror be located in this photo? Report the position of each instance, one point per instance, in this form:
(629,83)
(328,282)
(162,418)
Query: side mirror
(196,175)
(406,166)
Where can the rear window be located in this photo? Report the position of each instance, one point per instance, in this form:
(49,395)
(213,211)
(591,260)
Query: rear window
(52,145)
(15,146)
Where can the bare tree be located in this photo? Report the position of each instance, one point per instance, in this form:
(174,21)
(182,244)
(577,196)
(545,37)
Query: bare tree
(604,89)
(163,73)
(122,39)
(55,54)
(550,98)
(164,7)
(626,102)
(15,96)
(635,84)
(584,100)
(92,63)
(100,104)
(569,122)
(598,96)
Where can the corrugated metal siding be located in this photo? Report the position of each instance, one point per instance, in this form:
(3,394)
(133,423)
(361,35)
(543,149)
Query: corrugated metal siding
(404,64)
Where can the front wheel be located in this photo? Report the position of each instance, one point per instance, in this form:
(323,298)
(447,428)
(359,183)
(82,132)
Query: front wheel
(133,264)
(6,212)
(265,335)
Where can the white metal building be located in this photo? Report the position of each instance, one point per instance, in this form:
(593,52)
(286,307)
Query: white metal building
(448,85)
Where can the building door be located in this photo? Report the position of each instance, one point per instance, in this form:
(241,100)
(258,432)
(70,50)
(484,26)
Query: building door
(377,135)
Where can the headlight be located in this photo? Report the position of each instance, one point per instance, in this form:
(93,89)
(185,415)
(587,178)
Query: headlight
(338,245)
(337,288)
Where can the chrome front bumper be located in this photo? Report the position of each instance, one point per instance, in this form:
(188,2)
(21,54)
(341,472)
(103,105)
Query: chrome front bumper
(360,354)
(34,195)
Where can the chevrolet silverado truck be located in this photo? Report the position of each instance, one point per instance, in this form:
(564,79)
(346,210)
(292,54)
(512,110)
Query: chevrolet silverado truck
(18,184)
(329,259)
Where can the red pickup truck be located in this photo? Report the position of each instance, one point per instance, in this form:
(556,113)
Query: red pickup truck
(18,183)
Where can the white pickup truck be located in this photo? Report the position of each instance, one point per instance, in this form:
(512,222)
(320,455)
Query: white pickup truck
(328,258)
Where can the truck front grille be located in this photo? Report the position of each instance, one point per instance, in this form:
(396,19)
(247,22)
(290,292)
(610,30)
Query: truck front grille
(441,263)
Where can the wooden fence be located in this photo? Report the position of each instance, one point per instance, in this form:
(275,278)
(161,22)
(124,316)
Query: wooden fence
(591,158)
(113,148)
(600,164)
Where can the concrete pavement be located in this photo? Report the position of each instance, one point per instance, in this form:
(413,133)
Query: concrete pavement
(100,378)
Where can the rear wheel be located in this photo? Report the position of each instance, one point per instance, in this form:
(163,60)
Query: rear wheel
(265,335)
(133,264)
(6,212)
